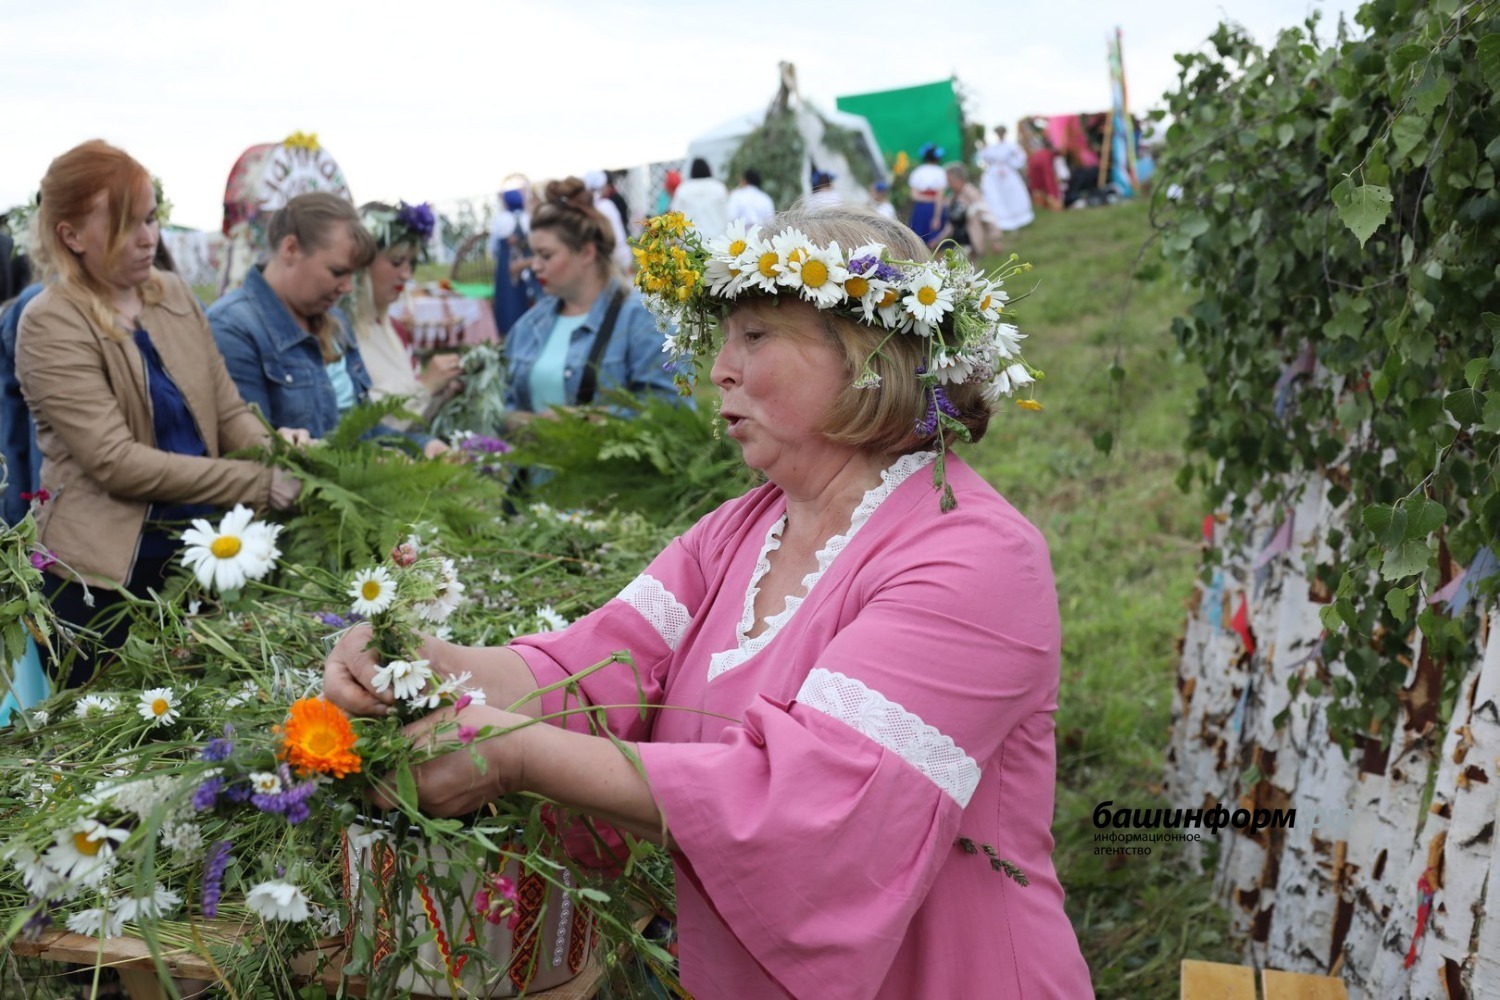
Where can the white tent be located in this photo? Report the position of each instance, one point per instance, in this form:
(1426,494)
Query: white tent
(718,145)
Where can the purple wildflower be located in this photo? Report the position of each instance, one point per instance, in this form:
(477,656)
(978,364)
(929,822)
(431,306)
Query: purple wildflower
(937,400)
(238,792)
(207,795)
(332,620)
(291,802)
(40,920)
(483,445)
(41,560)
(871,266)
(418,218)
(219,748)
(213,877)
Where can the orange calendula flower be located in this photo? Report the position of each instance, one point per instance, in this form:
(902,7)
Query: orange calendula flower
(317,737)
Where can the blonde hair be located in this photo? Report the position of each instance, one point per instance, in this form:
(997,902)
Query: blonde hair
(310,218)
(69,192)
(880,420)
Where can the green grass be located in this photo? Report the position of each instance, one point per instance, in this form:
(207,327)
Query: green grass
(1124,545)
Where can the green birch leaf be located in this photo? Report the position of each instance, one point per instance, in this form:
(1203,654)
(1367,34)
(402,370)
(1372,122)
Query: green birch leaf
(1408,132)
(1387,522)
(1423,517)
(1474,371)
(1489,60)
(1405,559)
(1466,405)
(1398,599)
(1362,208)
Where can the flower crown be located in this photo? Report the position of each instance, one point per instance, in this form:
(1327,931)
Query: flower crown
(402,224)
(690,285)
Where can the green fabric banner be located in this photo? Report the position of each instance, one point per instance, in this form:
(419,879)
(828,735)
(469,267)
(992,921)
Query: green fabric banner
(905,120)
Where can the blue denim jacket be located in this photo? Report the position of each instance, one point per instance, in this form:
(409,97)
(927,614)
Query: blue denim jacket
(633,360)
(23,459)
(277,365)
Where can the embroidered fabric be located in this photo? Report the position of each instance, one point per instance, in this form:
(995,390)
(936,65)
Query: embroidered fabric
(658,606)
(900,471)
(874,715)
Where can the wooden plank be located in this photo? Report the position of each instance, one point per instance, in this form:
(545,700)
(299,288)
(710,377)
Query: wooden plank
(130,954)
(1216,981)
(1279,985)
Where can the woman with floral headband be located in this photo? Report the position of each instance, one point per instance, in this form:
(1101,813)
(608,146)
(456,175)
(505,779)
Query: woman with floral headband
(849,674)
(288,347)
(589,331)
(401,234)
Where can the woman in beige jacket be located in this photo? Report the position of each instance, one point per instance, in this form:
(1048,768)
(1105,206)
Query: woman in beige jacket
(132,402)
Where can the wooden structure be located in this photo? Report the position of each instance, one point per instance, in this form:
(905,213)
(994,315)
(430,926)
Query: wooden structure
(131,958)
(1215,981)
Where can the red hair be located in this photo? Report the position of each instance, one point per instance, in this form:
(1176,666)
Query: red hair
(70,192)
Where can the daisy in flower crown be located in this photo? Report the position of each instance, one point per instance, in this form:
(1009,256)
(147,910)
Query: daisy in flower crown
(928,338)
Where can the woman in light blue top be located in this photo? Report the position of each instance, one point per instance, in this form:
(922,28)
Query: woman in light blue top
(590,332)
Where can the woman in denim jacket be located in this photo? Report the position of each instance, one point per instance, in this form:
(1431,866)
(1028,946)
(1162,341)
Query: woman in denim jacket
(288,349)
(549,348)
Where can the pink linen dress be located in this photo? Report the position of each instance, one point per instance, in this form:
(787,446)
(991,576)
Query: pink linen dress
(817,777)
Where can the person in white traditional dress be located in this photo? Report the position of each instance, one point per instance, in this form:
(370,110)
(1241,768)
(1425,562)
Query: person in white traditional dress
(880,199)
(748,203)
(1004,182)
(703,199)
(596,181)
(823,194)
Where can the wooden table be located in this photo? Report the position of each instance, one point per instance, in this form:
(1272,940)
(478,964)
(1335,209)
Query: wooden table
(131,958)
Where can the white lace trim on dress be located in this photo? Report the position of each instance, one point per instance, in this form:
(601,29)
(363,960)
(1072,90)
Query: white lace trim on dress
(899,472)
(869,712)
(657,605)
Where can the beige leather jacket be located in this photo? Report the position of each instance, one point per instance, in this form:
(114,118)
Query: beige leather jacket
(87,392)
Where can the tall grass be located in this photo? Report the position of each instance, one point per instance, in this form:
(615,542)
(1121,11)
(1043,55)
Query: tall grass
(1123,541)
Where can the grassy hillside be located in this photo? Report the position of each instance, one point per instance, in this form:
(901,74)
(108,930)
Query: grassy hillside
(1124,541)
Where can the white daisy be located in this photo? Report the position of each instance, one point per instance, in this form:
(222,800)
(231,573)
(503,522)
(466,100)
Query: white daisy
(84,852)
(224,558)
(731,257)
(265,782)
(92,706)
(819,274)
(39,716)
(550,619)
(792,247)
(260,546)
(953,367)
(153,907)
(1008,381)
(249,691)
(863,285)
(450,594)
(406,678)
(158,706)
(278,899)
(990,299)
(927,300)
(373,591)
(1007,340)
(893,315)
(95,922)
(39,879)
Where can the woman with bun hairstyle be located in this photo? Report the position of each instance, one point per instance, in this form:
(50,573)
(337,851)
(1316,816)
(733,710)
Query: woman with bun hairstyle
(589,331)
(132,401)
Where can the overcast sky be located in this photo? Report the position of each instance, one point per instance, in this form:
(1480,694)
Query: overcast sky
(441,99)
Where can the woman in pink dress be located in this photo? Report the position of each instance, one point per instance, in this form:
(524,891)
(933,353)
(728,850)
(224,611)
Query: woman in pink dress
(840,706)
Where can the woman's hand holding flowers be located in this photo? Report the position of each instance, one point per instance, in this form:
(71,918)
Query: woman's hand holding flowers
(472,765)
